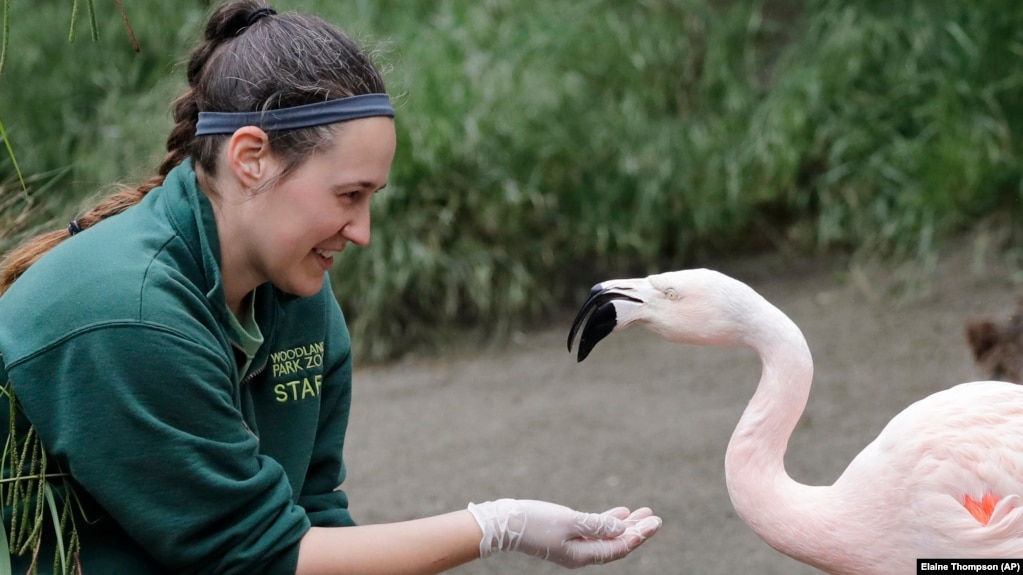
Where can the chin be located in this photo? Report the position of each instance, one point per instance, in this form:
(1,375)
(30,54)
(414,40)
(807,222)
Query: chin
(307,288)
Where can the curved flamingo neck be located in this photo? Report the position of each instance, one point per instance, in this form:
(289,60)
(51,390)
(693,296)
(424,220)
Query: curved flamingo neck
(783,512)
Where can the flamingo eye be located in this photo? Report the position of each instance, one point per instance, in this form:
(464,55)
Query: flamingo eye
(671,293)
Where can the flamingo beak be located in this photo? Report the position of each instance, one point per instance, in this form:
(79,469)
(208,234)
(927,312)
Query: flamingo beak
(597,318)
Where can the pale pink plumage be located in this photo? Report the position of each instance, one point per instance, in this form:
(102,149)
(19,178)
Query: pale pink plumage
(900,499)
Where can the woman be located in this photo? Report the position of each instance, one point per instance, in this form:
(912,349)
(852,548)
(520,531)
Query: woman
(185,363)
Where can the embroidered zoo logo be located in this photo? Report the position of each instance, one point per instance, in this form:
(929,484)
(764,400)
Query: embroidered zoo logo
(288,362)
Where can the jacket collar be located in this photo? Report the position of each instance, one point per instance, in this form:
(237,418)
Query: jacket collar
(191,215)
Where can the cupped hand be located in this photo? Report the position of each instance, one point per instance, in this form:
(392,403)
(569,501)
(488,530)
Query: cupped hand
(562,535)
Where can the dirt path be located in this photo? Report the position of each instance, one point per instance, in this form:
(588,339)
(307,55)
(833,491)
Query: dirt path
(645,422)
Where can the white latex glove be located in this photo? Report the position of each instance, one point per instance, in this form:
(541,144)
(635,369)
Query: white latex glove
(561,535)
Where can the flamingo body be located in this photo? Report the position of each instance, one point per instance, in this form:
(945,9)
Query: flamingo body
(944,478)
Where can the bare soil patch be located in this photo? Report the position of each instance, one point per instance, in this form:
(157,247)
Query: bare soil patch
(646,422)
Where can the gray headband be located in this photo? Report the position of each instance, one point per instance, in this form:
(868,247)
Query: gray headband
(305,116)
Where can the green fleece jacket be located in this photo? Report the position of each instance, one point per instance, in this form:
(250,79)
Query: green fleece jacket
(118,346)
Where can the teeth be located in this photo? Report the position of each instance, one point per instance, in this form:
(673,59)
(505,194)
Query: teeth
(323,253)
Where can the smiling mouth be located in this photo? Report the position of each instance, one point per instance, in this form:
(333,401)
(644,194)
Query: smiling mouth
(326,257)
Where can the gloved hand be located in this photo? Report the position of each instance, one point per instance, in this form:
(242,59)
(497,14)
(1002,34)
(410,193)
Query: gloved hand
(556,533)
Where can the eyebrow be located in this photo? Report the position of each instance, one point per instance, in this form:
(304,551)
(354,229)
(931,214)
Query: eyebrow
(371,185)
(365,184)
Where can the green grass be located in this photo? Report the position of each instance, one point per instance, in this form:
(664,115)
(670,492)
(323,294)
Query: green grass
(544,145)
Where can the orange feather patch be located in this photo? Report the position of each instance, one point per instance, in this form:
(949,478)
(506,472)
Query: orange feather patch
(981,510)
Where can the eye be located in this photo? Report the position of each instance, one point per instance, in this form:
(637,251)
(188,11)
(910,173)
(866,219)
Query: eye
(350,195)
(671,294)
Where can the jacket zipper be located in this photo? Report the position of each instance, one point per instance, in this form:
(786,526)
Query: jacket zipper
(246,379)
(253,374)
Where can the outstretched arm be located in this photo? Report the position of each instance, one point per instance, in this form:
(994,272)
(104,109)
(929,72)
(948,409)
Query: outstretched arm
(436,544)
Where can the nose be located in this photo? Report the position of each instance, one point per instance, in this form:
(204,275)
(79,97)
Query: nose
(358,230)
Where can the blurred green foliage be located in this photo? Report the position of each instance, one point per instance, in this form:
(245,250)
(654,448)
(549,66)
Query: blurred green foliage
(544,145)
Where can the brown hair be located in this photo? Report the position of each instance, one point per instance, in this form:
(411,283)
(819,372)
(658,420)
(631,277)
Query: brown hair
(276,61)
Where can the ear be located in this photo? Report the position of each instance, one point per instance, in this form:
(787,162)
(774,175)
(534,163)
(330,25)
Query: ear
(249,157)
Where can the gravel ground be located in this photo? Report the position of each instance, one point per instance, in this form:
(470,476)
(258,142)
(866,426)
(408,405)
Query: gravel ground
(644,422)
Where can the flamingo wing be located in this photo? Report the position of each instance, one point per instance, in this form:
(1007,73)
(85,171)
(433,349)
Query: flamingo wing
(947,473)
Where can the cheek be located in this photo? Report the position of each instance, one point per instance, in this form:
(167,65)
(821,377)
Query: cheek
(320,226)
(285,236)
(302,223)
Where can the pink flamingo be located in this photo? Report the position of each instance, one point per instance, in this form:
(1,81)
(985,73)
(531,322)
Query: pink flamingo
(942,480)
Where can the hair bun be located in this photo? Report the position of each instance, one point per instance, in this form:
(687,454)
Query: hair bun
(257,15)
(234,18)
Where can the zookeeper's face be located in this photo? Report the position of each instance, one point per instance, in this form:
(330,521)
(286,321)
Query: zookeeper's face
(312,215)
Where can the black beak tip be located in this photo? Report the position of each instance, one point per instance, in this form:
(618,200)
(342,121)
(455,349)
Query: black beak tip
(584,312)
(595,327)
(584,352)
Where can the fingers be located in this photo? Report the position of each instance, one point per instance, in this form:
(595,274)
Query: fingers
(600,525)
(643,529)
(611,535)
(641,513)
(616,522)
(594,551)
(619,512)
(638,516)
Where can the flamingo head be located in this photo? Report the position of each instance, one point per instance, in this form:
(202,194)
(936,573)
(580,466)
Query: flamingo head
(697,306)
